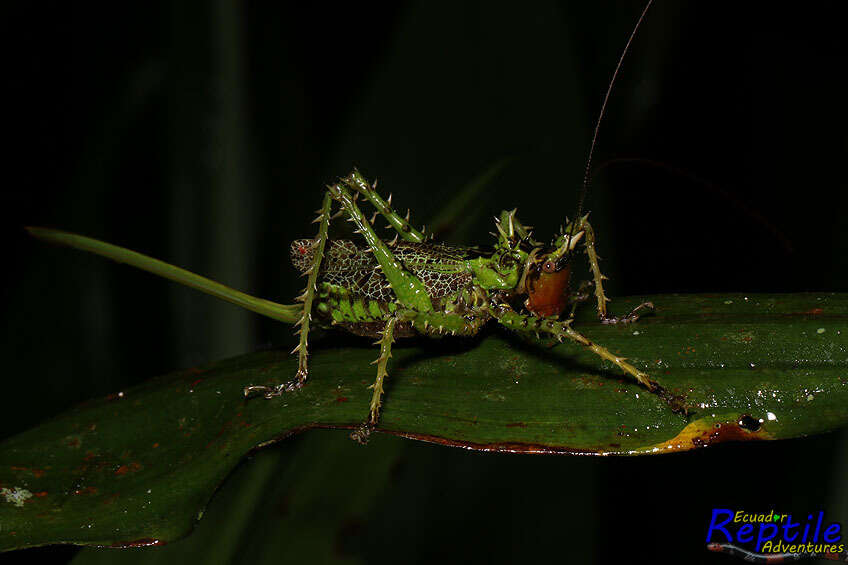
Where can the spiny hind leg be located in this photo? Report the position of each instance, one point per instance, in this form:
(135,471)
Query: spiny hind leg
(307,298)
(401,225)
(408,289)
(598,277)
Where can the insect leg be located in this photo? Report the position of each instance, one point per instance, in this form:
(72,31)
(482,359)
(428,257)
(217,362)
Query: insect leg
(560,330)
(401,225)
(385,343)
(323,221)
(599,278)
(444,323)
(429,323)
(578,297)
(410,291)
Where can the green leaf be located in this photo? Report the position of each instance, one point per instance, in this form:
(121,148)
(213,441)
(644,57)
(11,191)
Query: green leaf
(140,466)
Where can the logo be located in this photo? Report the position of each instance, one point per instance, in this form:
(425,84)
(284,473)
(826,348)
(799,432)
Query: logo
(757,537)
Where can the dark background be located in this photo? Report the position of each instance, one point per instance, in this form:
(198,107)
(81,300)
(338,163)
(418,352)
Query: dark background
(202,134)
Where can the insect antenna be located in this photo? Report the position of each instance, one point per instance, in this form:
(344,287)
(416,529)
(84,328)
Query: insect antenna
(587,172)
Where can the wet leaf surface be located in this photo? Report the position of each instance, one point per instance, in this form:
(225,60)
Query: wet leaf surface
(139,467)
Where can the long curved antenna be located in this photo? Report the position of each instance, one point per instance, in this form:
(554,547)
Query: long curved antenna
(587,172)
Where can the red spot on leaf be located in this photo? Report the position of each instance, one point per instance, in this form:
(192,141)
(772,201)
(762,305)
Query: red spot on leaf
(129,468)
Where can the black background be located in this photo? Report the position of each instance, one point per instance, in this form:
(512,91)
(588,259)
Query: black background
(203,134)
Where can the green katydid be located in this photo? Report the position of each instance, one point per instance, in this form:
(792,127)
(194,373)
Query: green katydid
(412,285)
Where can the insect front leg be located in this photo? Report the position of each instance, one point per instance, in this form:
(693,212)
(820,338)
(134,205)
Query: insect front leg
(401,225)
(308,296)
(578,297)
(594,264)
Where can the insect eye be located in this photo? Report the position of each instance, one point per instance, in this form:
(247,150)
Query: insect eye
(549,267)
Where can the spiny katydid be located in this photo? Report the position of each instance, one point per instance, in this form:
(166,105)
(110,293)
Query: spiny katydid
(412,285)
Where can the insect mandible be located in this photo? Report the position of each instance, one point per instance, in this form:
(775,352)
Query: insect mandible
(413,285)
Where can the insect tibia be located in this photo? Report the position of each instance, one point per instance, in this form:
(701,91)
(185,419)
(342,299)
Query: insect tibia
(357,183)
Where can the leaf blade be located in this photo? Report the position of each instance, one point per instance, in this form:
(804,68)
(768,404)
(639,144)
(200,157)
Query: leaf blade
(140,466)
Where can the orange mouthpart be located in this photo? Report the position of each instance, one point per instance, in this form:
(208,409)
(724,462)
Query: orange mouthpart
(547,293)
